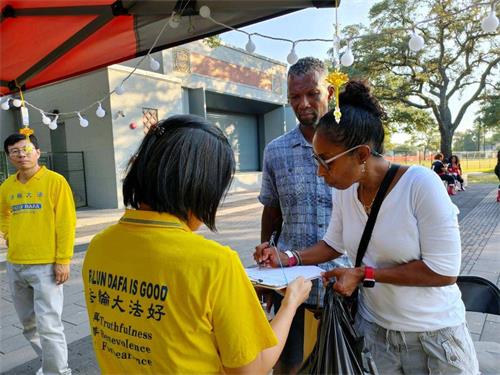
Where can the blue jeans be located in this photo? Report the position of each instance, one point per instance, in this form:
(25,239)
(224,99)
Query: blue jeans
(38,301)
(446,351)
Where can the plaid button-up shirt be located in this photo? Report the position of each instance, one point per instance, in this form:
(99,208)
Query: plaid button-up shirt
(290,182)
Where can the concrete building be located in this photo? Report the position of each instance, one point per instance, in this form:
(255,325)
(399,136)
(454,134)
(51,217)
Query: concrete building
(244,94)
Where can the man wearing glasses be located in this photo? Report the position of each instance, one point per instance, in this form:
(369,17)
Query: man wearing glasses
(297,201)
(37,218)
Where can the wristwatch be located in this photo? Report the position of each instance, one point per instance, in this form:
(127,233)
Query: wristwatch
(292,260)
(369,280)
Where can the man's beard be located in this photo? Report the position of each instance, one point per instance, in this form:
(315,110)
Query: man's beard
(311,121)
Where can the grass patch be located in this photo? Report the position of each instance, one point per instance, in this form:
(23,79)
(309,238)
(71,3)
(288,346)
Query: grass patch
(468,166)
(482,178)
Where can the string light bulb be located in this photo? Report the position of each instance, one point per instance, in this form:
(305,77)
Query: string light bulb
(174,20)
(250,46)
(17,103)
(119,90)
(205,11)
(100,112)
(292,56)
(5,105)
(53,124)
(490,23)
(154,65)
(347,58)
(416,42)
(83,122)
(45,118)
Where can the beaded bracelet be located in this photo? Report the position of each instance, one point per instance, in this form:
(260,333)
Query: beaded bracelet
(299,259)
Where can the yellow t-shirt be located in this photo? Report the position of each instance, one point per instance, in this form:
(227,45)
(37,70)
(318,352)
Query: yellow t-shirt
(38,218)
(164,300)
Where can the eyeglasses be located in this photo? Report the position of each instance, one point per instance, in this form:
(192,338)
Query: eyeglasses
(18,151)
(326,163)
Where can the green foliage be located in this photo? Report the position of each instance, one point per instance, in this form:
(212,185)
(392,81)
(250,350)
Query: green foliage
(213,41)
(458,61)
(388,145)
(476,139)
(489,113)
(410,120)
(495,137)
(426,140)
(405,147)
(466,141)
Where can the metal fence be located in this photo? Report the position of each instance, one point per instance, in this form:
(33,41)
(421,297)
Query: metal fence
(69,164)
(4,173)
(469,160)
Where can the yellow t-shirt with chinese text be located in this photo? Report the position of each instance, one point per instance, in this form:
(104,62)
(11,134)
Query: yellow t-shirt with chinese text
(164,300)
(38,218)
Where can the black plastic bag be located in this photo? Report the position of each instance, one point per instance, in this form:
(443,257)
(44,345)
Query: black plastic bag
(338,349)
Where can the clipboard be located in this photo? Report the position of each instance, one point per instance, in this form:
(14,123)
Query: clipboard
(273,278)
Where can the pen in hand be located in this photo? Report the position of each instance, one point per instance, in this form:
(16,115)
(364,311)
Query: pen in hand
(272,239)
(271,242)
(273,245)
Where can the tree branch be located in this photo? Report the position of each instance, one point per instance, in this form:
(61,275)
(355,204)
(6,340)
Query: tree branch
(476,94)
(413,104)
(465,73)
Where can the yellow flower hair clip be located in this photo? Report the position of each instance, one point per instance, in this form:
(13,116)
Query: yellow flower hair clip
(27,132)
(337,79)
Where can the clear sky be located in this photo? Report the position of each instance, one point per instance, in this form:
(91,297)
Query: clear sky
(312,23)
(309,23)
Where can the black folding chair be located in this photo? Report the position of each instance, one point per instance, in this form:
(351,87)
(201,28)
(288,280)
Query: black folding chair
(479,295)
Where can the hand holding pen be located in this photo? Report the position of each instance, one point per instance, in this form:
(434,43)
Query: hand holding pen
(266,254)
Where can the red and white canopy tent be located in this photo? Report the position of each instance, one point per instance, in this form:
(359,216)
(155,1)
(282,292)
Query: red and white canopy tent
(44,41)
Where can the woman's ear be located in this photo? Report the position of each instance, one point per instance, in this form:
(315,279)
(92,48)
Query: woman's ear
(363,154)
(331,92)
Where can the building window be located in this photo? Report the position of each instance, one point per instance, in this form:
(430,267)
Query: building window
(182,60)
(149,117)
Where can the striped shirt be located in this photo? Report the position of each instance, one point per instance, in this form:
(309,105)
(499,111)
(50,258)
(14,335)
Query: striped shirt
(290,182)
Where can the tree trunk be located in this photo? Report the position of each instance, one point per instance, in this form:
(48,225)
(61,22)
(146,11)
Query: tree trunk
(446,139)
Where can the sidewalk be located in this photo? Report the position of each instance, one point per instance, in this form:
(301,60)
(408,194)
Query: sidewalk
(238,224)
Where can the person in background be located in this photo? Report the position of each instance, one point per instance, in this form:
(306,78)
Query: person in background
(442,172)
(296,202)
(38,219)
(455,170)
(162,299)
(497,172)
(410,310)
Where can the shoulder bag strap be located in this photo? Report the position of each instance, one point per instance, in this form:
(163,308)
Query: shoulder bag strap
(367,233)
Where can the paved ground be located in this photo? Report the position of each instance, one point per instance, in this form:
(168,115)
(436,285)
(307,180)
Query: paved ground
(239,223)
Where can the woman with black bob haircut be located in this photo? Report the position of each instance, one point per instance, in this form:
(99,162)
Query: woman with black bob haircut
(409,308)
(162,299)
(183,167)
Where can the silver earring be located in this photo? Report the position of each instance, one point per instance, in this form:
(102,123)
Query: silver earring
(363,167)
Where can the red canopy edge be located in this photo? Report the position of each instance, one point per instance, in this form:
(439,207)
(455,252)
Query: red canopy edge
(44,41)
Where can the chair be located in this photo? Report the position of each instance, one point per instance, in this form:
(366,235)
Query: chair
(479,295)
